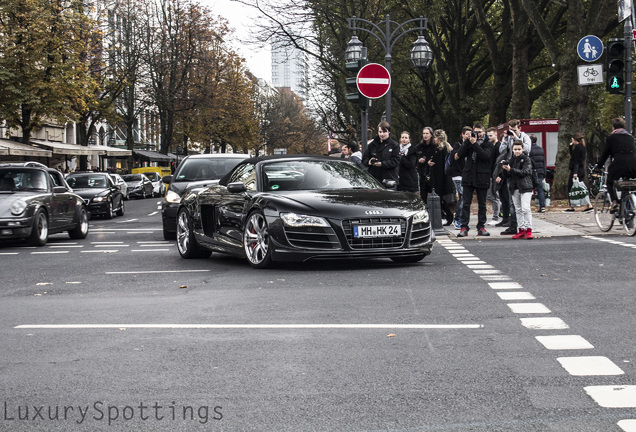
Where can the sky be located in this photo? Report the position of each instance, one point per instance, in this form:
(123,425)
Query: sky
(240,17)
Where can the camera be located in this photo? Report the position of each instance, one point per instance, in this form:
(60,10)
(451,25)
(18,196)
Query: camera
(509,133)
(473,134)
(504,162)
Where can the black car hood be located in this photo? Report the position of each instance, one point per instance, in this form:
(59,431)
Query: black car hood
(90,192)
(343,203)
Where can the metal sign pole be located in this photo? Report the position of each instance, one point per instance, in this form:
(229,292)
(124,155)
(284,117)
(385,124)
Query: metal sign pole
(629,45)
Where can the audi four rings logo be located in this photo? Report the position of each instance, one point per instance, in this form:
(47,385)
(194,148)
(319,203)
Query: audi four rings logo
(374,212)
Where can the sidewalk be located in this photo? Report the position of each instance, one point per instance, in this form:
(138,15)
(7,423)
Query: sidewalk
(553,223)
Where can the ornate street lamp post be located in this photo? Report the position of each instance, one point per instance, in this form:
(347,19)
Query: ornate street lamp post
(421,54)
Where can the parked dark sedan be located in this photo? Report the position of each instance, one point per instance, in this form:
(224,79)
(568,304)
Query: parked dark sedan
(102,195)
(194,172)
(35,202)
(297,208)
(139,186)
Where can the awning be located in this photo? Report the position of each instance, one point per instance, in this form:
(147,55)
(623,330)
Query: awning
(12,148)
(153,156)
(59,148)
(114,151)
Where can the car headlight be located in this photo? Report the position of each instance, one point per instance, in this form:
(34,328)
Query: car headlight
(172,197)
(17,207)
(298,220)
(420,217)
(100,198)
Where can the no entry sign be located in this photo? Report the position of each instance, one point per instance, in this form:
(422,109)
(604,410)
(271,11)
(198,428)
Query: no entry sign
(373,81)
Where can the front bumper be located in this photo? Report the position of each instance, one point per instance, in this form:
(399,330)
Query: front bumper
(18,228)
(100,208)
(169,216)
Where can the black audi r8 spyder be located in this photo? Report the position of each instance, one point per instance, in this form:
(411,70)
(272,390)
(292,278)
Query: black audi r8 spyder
(297,208)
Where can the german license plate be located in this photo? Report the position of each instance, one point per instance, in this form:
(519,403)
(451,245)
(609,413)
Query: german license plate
(360,231)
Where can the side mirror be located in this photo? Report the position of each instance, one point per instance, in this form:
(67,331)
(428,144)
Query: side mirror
(167,179)
(389,184)
(59,189)
(237,187)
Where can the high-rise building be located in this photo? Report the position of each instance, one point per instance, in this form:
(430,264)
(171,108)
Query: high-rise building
(289,68)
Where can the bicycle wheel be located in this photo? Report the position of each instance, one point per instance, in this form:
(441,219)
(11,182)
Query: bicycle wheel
(602,206)
(629,211)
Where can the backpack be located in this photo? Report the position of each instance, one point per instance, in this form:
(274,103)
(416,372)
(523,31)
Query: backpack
(447,163)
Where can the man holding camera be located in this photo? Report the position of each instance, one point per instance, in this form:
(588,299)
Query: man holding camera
(507,207)
(383,155)
(477,151)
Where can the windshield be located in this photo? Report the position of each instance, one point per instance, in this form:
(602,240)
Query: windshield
(87,181)
(22,179)
(153,176)
(205,169)
(132,177)
(315,175)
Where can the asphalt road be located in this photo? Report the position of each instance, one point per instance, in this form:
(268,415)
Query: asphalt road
(117,332)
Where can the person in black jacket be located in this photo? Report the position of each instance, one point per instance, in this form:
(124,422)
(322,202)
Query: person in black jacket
(425,151)
(382,155)
(475,178)
(456,170)
(408,161)
(538,157)
(518,171)
(619,145)
(577,164)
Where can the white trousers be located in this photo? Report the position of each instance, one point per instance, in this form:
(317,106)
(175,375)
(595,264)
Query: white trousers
(522,207)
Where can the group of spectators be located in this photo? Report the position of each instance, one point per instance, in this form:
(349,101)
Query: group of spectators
(503,170)
(479,163)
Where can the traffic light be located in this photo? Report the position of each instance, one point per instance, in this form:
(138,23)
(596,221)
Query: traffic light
(355,96)
(615,75)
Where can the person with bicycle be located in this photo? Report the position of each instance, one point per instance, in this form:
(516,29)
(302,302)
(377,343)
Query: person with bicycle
(620,146)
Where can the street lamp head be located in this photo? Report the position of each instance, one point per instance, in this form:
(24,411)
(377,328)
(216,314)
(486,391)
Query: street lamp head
(354,50)
(421,54)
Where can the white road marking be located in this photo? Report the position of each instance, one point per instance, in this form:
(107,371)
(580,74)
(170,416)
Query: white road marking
(49,253)
(65,246)
(113,245)
(153,213)
(501,277)
(505,285)
(73,283)
(478,266)
(528,308)
(545,323)
(487,272)
(127,220)
(253,326)
(155,271)
(150,250)
(614,396)
(589,366)
(627,425)
(515,295)
(9,253)
(100,251)
(564,342)
(130,229)
(140,232)
(108,243)
(468,258)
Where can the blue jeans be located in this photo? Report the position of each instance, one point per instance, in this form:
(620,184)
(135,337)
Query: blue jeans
(541,193)
(460,199)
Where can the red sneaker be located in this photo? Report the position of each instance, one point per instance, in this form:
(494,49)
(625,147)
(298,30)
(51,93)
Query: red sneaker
(520,235)
(529,235)
(463,232)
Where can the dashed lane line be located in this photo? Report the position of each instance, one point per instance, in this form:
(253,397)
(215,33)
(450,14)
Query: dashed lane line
(605,396)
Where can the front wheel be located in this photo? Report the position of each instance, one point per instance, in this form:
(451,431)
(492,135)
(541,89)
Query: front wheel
(40,230)
(110,212)
(121,210)
(602,206)
(186,242)
(256,241)
(629,214)
(81,229)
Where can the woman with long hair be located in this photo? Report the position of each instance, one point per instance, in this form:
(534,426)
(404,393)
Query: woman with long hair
(425,150)
(577,164)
